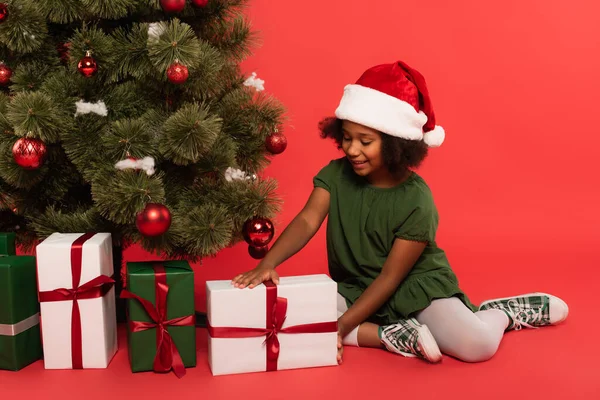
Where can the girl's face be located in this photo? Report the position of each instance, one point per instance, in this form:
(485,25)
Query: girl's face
(362,146)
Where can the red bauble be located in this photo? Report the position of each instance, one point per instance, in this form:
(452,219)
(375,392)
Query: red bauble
(200,3)
(3,12)
(258,232)
(276,143)
(29,153)
(5,74)
(172,5)
(258,252)
(154,220)
(87,66)
(177,73)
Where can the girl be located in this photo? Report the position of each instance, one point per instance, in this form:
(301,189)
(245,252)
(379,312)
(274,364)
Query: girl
(396,287)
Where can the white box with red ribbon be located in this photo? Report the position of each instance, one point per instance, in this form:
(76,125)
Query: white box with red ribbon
(77,300)
(272,327)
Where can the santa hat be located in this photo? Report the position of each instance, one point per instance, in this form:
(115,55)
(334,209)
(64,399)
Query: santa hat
(393,99)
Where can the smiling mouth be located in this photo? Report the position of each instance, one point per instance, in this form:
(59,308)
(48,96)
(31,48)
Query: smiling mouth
(358,162)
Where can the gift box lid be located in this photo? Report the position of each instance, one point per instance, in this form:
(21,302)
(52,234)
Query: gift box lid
(147,267)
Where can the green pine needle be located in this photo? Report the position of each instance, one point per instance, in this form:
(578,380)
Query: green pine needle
(64,11)
(25,30)
(204,230)
(133,189)
(177,43)
(109,9)
(189,134)
(35,115)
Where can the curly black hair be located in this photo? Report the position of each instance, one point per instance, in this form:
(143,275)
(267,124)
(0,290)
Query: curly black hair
(398,154)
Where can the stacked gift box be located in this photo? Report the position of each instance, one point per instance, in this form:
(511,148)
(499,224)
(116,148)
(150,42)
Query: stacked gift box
(20,343)
(68,286)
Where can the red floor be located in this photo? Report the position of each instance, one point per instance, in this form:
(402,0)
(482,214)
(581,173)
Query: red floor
(554,362)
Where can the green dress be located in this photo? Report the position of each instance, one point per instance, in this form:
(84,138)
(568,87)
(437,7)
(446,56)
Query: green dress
(363,223)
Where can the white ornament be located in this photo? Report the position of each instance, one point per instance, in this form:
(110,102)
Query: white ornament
(254,82)
(146,164)
(232,174)
(96,108)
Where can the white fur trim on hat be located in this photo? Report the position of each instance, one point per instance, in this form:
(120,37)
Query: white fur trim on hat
(435,137)
(381,112)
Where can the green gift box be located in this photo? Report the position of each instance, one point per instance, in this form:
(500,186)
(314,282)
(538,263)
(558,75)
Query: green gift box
(20,342)
(145,283)
(7,244)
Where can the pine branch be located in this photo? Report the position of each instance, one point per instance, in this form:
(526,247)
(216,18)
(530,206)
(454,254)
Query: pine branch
(178,42)
(62,12)
(133,189)
(53,220)
(203,230)
(100,45)
(133,59)
(25,30)
(128,138)
(109,9)
(83,147)
(126,100)
(30,76)
(5,126)
(35,115)
(189,134)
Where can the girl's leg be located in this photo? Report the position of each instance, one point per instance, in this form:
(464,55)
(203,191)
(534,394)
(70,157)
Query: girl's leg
(475,337)
(468,336)
(407,337)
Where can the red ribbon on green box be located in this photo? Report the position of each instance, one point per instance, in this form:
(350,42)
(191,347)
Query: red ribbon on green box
(167,354)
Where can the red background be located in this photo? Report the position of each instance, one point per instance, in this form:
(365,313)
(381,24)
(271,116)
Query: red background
(515,84)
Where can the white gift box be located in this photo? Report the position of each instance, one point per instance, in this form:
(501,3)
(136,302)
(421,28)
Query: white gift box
(98,315)
(310,299)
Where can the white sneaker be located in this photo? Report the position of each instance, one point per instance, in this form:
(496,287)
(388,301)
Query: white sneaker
(410,339)
(531,310)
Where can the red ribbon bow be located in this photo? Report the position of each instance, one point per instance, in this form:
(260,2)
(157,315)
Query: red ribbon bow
(167,354)
(276,314)
(93,289)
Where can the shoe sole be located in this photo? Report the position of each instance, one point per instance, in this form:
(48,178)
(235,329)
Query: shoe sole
(530,294)
(428,344)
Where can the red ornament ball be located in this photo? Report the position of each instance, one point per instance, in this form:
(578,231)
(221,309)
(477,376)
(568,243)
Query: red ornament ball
(172,5)
(29,153)
(5,74)
(258,252)
(276,143)
(177,73)
(200,3)
(258,231)
(3,12)
(87,66)
(154,220)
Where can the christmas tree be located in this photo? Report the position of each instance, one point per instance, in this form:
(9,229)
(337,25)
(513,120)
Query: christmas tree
(133,117)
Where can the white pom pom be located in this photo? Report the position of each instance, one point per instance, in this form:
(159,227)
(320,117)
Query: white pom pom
(85,108)
(146,164)
(435,137)
(254,82)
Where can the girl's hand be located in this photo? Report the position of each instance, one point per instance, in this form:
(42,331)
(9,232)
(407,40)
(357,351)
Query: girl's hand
(340,348)
(255,277)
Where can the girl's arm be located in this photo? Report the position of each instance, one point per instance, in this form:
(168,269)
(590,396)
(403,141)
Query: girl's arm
(400,261)
(295,236)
